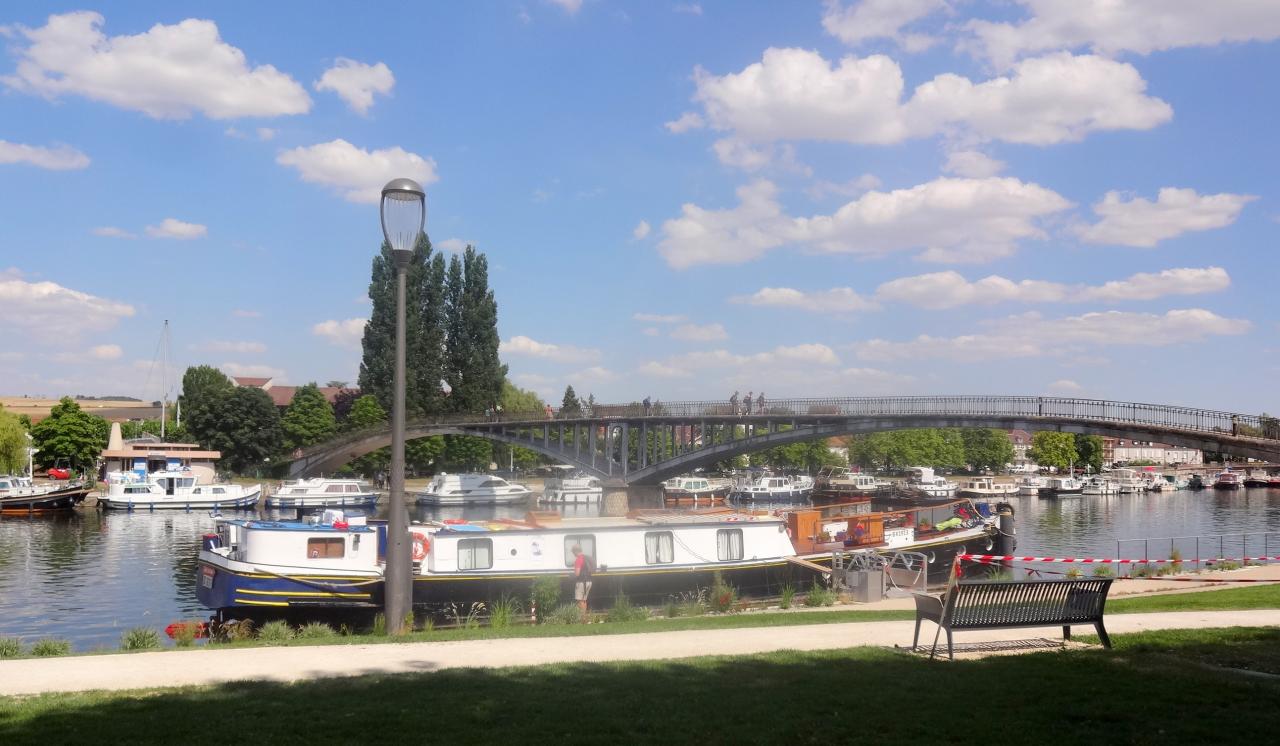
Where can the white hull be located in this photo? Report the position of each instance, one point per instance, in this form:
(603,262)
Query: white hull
(572,497)
(474,498)
(233,496)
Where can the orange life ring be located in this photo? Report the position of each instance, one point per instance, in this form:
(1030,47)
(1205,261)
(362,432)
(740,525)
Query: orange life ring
(421,545)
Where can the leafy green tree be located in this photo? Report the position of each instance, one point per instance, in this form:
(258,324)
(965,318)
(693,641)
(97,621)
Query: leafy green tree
(986,448)
(1054,449)
(247,429)
(422,454)
(466,453)
(1089,451)
(365,412)
(205,390)
(473,370)
(940,448)
(130,430)
(70,433)
(308,419)
(424,335)
(13,444)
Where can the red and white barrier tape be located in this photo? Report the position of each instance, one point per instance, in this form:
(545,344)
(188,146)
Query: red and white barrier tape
(987,558)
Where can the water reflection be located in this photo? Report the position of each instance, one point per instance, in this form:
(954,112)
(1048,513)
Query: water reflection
(89,576)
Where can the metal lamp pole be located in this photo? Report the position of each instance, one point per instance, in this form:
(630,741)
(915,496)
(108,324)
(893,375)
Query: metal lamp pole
(404,212)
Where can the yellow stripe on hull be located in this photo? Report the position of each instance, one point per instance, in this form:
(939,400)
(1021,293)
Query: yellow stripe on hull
(324,594)
(255,602)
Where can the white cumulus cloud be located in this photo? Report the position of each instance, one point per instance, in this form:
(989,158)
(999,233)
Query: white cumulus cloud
(106,352)
(255,370)
(972,163)
(166,72)
(1064,386)
(357,82)
(796,94)
(110,231)
(345,333)
(357,174)
(1114,26)
(835,300)
(690,120)
(177,229)
(528,347)
(58,158)
(940,290)
(1140,222)
(945,220)
(48,311)
(876,19)
(641,230)
(225,345)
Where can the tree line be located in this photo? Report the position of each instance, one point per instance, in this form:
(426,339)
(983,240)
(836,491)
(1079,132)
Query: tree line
(970,448)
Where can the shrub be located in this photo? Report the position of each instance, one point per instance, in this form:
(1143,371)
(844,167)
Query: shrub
(49,647)
(1142,571)
(275,632)
(623,611)
(1227,565)
(406,624)
(672,609)
(1103,571)
(140,638)
(691,603)
(819,595)
(184,634)
(315,631)
(545,595)
(379,624)
(1074,573)
(10,647)
(234,631)
(504,611)
(565,614)
(466,617)
(788,595)
(723,597)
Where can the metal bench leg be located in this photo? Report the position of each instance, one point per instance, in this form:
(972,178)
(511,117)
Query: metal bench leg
(1102,634)
(916,640)
(951,652)
(1066,632)
(933,651)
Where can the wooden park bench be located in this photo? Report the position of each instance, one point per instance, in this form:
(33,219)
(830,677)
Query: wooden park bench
(1038,603)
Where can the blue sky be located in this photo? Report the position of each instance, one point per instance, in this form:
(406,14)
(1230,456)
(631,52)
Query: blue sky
(677,199)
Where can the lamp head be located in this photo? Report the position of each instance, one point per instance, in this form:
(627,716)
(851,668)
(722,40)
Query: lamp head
(404,212)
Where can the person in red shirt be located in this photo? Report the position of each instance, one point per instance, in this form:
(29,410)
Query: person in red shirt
(581,579)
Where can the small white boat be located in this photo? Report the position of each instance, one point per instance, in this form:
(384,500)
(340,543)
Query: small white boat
(471,489)
(774,489)
(1030,486)
(838,483)
(1129,481)
(1099,485)
(694,490)
(986,487)
(320,492)
(570,487)
(923,479)
(1062,487)
(1227,480)
(174,489)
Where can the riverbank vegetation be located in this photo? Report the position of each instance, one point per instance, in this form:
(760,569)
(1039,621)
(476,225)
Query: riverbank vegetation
(896,697)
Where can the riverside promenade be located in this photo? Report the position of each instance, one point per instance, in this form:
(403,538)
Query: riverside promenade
(284,664)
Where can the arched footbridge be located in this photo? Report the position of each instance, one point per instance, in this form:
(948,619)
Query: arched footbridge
(638,445)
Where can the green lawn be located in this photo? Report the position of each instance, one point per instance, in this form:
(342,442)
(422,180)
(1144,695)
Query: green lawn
(1239,597)
(1144,691)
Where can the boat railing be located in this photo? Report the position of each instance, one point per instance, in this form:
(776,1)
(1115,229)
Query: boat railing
(903,572)
(1198,552)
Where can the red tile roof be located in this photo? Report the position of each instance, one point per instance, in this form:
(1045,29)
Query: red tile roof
(283,395)
(251,382)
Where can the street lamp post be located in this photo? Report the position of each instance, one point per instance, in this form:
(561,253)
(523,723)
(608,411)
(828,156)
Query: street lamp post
(404,212)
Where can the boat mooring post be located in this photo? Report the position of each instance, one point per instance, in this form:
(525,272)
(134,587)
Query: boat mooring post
(1007,533)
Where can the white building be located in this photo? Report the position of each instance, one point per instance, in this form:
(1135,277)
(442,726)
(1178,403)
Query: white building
(1125,451)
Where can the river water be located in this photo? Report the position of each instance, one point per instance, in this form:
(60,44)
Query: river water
(89,576)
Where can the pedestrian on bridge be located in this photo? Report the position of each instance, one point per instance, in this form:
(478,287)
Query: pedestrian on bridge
(647,405)
(760,403)
(747,402)
(733,403)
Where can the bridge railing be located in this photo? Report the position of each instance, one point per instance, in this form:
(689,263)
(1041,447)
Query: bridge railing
(1030,407)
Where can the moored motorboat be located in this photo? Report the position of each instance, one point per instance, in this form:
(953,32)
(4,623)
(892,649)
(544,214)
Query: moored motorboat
(769,488)
(1274,481)
(174,489)
(838,484)
(471,489)
(1257,479)
(320,492)
(694,491)
(923,478)
(1099,485)
(1129,481)
(986,487)
(1227,480)
(1062,487)
(570,487)
(1197,482)
(21,495)
(1030,485)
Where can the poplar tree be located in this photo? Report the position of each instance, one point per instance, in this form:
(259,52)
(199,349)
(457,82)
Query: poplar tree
(473,370)
(424,303)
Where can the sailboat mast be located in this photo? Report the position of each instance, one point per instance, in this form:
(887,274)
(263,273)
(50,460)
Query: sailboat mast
(164,375)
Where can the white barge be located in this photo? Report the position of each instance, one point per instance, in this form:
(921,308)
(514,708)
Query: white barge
(174,488)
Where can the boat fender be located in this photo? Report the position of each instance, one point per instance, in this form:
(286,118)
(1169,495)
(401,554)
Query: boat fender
(421,545)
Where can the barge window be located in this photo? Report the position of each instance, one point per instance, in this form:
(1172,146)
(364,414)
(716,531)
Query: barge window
(729,544)
(475,554)
(333,488)
(326,548)
(659,548)
(586,541)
